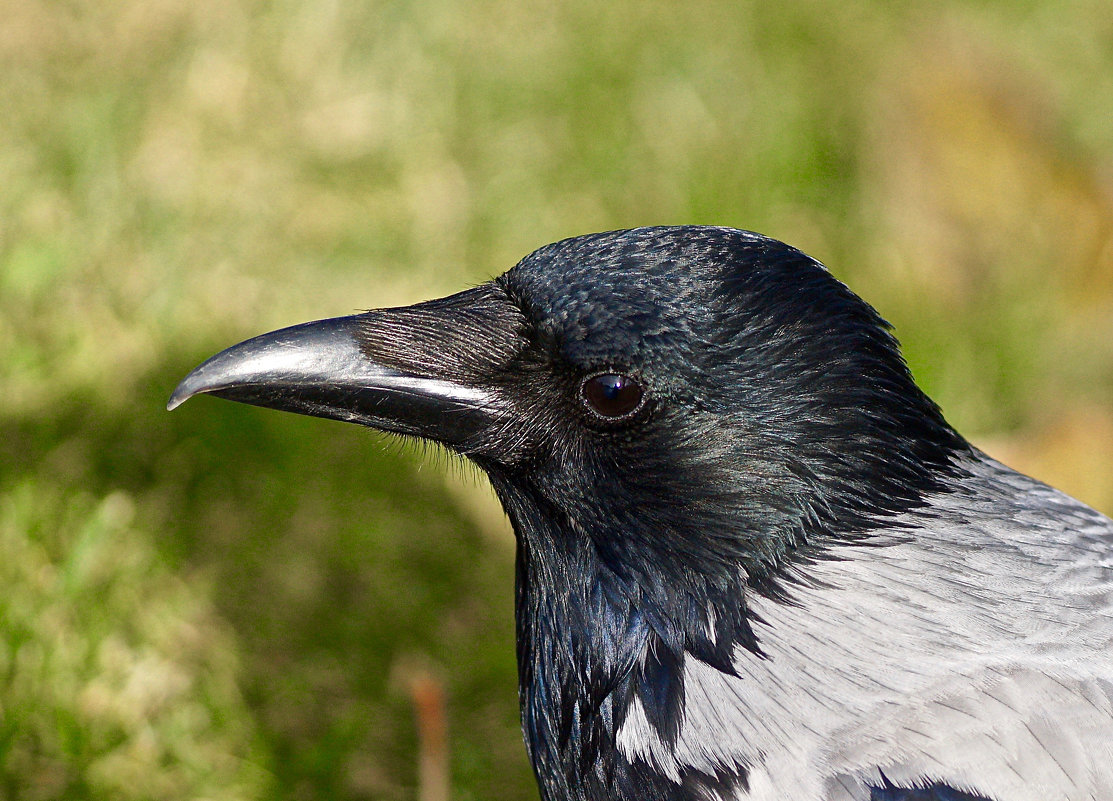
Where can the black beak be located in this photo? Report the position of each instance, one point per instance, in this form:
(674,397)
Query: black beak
(422,370)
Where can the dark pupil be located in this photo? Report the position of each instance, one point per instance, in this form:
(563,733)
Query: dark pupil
(612,395)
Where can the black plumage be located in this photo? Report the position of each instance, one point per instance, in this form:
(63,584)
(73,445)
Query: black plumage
(768,425)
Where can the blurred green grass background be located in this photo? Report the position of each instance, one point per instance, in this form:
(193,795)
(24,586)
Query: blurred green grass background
(231,603)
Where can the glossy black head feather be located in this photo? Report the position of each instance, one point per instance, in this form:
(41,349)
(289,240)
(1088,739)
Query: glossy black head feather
(779,411)
(780,420)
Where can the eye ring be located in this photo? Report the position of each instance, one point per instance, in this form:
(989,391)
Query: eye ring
(612,396)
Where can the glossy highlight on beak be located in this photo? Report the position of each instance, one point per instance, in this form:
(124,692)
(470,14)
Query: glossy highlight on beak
(323,369)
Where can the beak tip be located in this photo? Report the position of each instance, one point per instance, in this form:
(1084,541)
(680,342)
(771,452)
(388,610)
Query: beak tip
(273,358)
(180,395)
(175,401)
(200,380)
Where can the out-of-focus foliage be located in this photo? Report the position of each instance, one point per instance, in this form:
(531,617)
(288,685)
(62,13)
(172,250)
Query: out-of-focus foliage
(121,682)
(231,603)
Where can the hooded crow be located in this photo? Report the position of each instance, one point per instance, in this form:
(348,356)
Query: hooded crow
(754,561)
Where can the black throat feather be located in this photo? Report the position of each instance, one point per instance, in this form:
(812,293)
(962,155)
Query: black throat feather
(592,641)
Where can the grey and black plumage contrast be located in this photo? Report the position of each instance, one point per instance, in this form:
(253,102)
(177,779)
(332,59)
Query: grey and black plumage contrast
(754,561)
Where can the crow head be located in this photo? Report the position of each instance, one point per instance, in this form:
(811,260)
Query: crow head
(673,418)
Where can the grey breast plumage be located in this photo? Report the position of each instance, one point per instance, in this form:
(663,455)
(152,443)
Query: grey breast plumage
(962,650)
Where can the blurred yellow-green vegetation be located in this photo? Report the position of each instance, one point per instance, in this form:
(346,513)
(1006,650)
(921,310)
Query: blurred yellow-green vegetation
(231,603)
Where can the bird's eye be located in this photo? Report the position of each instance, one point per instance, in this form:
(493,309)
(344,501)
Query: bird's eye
(611,395)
